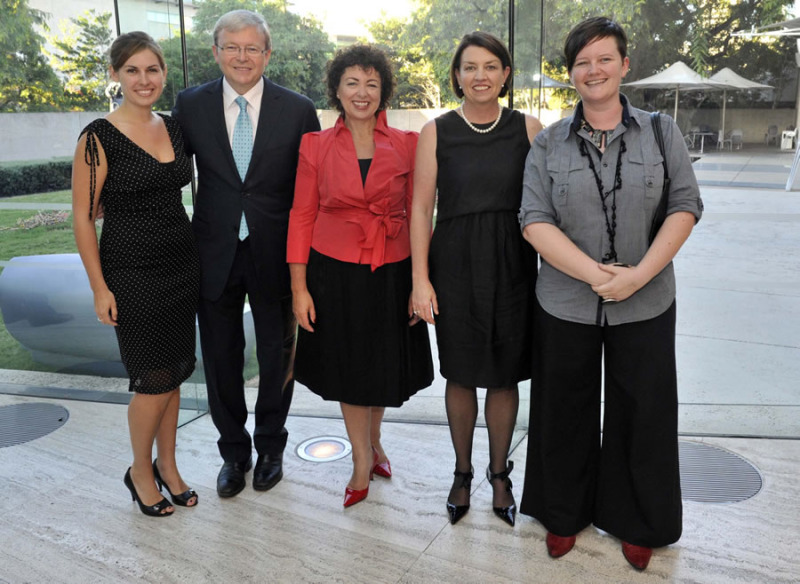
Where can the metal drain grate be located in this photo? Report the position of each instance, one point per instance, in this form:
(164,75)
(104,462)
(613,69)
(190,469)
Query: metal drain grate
(710,474)
(20,423)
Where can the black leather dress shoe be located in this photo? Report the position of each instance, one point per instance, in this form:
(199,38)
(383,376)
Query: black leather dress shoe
(230,480)
(269,471)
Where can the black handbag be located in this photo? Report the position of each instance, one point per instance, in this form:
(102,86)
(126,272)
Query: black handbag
(661,210)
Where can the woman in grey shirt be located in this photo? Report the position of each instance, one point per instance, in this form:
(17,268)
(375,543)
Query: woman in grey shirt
(605,307)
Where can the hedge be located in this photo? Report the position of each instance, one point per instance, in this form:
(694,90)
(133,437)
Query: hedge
(35,177)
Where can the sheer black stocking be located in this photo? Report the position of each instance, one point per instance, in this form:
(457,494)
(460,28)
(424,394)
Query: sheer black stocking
(501,408)
(462,412)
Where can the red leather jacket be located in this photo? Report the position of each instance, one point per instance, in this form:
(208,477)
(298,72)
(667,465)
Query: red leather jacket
(340,217)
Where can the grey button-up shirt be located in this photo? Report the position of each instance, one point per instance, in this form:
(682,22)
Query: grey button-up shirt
(559,188)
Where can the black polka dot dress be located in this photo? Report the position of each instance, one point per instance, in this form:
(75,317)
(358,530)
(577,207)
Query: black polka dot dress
(149,257)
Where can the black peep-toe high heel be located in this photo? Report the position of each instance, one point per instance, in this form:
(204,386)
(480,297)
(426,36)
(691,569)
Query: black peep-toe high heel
(157,510)
(181,499)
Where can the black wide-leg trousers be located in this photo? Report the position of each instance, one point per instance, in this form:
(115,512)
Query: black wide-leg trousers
(628,483)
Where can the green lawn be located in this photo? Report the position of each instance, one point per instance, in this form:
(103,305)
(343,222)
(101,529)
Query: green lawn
(43,239)
(66,197)
(54,197)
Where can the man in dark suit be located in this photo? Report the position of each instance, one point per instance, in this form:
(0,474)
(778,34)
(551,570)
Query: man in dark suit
(244,132)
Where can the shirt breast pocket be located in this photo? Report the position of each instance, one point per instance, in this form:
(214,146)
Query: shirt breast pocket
(646,177)
(645,185)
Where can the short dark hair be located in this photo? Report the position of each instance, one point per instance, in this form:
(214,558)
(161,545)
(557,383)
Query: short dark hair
(127,45)
(366,57)
(590,30)
(486,41)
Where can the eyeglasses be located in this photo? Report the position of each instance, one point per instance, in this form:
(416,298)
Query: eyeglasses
(234,51)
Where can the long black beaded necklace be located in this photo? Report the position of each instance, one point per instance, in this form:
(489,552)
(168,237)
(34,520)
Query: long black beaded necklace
(611,222)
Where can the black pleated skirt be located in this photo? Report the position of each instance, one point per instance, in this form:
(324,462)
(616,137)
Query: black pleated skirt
(362,351)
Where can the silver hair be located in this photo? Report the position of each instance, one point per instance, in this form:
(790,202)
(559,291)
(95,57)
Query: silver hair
(236,20)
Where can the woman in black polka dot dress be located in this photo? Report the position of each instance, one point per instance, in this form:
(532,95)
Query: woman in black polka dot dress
(145,271)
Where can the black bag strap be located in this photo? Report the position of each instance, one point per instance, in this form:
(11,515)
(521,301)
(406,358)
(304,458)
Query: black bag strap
(661,210)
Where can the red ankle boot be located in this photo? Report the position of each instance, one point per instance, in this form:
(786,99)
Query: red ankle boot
(637,556)
(557,545)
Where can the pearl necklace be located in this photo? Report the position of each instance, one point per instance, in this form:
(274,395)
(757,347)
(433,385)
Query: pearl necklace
(460,111)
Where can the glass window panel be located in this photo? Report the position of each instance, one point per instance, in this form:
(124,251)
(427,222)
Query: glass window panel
(45,300)
(44,117)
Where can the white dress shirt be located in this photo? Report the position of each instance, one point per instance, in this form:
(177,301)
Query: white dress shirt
(231,108)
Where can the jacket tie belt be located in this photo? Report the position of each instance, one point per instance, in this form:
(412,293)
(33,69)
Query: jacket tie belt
(378,222)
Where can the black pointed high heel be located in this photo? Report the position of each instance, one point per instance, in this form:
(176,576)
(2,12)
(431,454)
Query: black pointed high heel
(151,510)
(183,498)
(507,514)
(456,512)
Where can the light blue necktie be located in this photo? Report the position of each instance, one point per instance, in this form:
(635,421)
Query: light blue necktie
(242,150)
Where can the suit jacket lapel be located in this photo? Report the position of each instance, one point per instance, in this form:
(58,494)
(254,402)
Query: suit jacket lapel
(271,107)
(219,129)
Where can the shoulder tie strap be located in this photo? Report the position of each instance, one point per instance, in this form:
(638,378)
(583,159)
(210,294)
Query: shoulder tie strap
(91,156)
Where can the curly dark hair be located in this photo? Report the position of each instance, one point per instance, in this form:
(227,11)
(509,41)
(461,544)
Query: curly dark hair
(367,57)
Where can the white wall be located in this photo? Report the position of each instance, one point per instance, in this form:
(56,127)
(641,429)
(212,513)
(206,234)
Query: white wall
(46,135)
(41,135)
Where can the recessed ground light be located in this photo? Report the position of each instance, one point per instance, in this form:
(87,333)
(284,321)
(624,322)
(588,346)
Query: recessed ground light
(324,449)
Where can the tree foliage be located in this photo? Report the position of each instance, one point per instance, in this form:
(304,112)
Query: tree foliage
(80,56)
(701,35)
(422,48)
(698,32)
(27,83)
(300,48)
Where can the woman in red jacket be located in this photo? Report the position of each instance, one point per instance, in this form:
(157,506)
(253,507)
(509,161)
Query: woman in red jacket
(348,252)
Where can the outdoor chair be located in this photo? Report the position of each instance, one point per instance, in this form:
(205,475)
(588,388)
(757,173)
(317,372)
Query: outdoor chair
(689,137)
(771,135)
(737,139)
(723,139)
(788,137)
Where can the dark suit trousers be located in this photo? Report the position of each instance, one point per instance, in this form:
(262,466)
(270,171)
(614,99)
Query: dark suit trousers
(629,484)
(223,344)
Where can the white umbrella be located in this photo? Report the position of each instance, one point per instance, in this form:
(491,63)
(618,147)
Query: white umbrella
(537,81)
(677,76)
(733,81)
(548,82)
(785,28)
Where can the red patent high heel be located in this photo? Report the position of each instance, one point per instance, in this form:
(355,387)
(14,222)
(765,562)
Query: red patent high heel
(353,496)
(382,469)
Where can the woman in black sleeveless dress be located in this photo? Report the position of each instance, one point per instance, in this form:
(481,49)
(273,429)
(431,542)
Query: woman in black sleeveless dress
(145,272)
(474,278)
